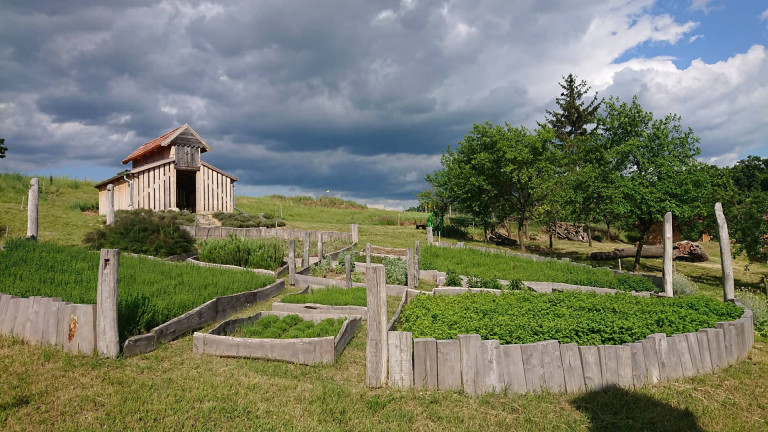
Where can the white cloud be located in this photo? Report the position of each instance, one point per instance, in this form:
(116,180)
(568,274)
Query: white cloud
(701,5)
(695,37)
(764,15)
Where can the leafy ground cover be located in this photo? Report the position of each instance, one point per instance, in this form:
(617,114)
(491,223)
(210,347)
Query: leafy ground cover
(289,327)
(470,262)
(569,317)
(150,292)
(354,296)
(265,253)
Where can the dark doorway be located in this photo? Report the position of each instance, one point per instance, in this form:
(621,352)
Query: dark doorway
(185,190)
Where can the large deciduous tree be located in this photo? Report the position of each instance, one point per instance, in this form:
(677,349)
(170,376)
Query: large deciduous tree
(656,161)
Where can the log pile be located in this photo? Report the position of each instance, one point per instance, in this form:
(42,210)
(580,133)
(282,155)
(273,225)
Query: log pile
(683,250)
(500,239)
(567,231)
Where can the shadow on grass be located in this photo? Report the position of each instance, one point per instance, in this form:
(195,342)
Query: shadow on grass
(621,410)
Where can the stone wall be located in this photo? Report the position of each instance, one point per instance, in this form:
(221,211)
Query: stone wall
(45,320)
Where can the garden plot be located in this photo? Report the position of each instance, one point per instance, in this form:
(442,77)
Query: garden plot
(298,338)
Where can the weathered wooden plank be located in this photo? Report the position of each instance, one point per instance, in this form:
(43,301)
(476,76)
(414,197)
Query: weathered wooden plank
(376,349)
(572,370)
(651,359)
(609,365)
(695,353)
(638,364)
(725,253)
(490,373)
(449,365)
(554,379)
(704,351)
(400,348)
(81,326)
(684,354)
(425,363)
(107,337)
(624,366)
(512,368)
(533,365)
(470,348)
(590,362)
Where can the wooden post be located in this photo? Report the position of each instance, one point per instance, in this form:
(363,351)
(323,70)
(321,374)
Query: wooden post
(305,260)
(376,348)
(429,236)
(725,253)
(292,262)
(409,259)
(667,265)
(416,264)
(619,264)
(107,336)
(110,205)
(353,228)
(348,269)
(32,209)
(319,245)
(367,253)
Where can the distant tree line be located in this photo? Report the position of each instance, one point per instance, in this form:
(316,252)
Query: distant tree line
(601,160)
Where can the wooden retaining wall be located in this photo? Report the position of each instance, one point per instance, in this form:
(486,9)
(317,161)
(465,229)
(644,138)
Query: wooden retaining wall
(479,366)
(304,351)
(214,310)
(45,320)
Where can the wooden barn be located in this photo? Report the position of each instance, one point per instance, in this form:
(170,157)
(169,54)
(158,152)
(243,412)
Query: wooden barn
(168,173)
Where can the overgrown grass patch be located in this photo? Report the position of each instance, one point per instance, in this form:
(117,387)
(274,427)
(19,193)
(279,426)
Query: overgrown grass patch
(239,220)
(471,262)
(150,292)
(289,327)
(354,296)
(145,232)
(569,317)
(265,253)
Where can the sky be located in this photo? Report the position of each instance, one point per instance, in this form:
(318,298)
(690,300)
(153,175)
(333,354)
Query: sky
(359,97)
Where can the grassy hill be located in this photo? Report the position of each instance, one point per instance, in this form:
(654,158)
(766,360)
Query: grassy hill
(173,389)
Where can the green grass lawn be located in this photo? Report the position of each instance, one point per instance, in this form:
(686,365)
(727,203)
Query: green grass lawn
(173,389)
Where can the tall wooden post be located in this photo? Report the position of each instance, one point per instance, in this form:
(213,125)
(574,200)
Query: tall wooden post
(107,336)
(353,228)
(725,253)
(429,236)
(376,347)
(32,209)
(110,204)
(348,269)
(292,262)
(305,260)
(668,272)
(416,263)
(367,253)
(319,245)
(409,259)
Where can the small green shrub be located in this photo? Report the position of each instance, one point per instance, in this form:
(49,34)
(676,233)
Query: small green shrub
(322,268)
(289,327)
(516,285)
(143,232)
(91,206)
(396,271)
(682,285)
(265,254)
(478,282)
(758,304)
(239,220)
(452,278)
(597,237)
(342,263)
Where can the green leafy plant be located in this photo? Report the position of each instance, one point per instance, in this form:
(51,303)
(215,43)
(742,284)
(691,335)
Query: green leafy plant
(682,285)
(568,317)
(758,304)
(239,220)
(144,232)
(289,327)
(479,282)
(396,271)
(250,253)
(92,206)
(354,296)
(452,278)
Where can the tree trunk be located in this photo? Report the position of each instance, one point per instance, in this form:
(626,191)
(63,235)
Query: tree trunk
(520,236)
(643,232)
(608,224)
(550,237)
(485,232)
(589,230)
(527,234)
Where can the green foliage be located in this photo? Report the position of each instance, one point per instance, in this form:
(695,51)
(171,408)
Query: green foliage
(682,285)
(569,317)
(150,293)
(321,201)
(497,266)
(758,304)
(452,278)
(341,260)
(3,148)
(265,253)
(516,285)
(480,282)
(575,115)
(144,232)
(239,220)
(82,206)
(289,327)
(396,271)
(354,296)
(322,268)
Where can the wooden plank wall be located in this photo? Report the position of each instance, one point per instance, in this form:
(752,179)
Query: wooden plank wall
(214,191)
(122,196)
(155,188)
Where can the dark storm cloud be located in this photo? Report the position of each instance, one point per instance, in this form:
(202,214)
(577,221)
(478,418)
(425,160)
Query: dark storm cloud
(357,96)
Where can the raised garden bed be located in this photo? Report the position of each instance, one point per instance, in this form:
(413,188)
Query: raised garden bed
(307,351)
(325,301)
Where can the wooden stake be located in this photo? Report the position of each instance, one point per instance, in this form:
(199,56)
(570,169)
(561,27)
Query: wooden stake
(107,336)
(725,253)
(32,209)
(667,262)
(292,262)
(110,205)
(376,347)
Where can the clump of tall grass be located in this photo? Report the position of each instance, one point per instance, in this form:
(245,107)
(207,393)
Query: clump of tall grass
(265,254)
(150,292)
(354,296)
(145,232)
(238,220)
(682,285)
(82,206)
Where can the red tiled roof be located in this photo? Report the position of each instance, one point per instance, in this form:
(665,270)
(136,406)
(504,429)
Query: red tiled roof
(149,146)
